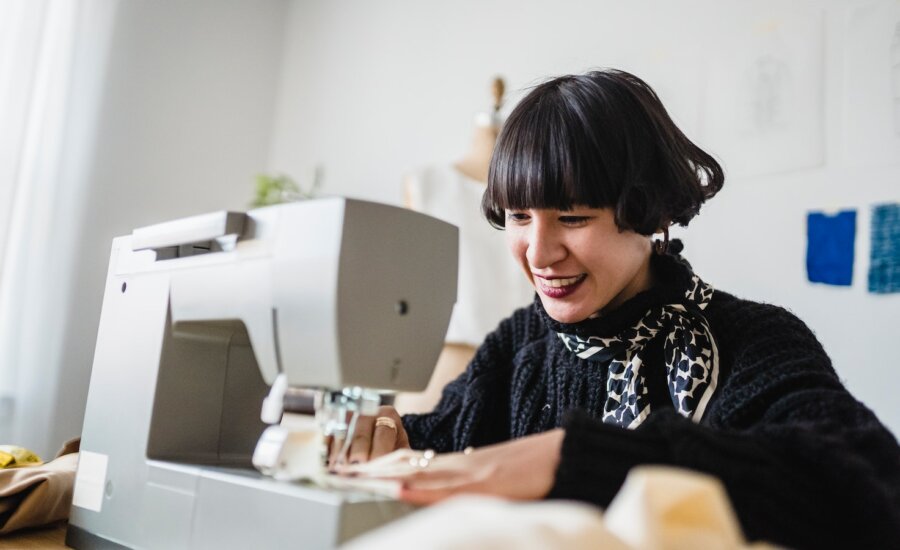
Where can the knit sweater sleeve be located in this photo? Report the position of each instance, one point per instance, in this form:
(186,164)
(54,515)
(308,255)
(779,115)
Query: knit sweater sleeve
(474,408)
(804,463)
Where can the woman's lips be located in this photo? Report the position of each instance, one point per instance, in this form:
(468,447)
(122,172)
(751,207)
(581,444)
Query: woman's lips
(560,287)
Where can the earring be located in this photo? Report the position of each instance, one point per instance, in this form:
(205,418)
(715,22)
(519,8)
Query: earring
(662,246)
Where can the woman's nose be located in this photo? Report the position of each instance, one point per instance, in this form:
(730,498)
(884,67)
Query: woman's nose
(545,248)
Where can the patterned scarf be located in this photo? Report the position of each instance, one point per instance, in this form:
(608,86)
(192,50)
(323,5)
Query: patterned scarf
(692,360)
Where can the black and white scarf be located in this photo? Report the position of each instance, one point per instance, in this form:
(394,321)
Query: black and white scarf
(692,360)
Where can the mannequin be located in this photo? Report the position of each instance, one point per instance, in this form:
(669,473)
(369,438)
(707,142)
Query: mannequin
(469,173)
(487,126)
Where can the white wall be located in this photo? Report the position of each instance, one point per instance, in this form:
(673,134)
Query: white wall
(201,95)
(785,96)
(184,126)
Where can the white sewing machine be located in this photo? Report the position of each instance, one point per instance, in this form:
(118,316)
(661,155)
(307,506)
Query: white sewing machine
(202,318)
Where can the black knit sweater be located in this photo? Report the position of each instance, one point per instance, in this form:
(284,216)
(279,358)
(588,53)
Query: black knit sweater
(804,463)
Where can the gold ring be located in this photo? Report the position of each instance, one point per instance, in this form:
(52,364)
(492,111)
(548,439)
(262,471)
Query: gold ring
(387,422)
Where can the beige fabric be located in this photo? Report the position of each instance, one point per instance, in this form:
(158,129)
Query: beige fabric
(658,508)
(673,509)
(473,522)
(38,495)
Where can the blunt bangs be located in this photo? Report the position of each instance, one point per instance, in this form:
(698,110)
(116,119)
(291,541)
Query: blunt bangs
(543,158)
(601,139)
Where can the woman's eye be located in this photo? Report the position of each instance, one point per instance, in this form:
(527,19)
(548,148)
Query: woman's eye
(573,220)
(517,216)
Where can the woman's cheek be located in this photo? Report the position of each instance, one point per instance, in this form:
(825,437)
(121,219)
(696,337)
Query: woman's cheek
(516,244)
(518,247)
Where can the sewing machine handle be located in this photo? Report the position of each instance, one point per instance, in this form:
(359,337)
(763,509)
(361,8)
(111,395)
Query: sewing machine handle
(209,232)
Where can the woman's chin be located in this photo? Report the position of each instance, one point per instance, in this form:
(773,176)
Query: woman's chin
(567,315)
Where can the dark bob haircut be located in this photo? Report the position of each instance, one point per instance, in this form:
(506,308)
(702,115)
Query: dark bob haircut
(601,139)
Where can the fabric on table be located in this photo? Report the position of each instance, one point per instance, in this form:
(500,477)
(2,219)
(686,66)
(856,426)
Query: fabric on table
(13,456)
(658,508)
(473,522)
(32,496)
(664,507)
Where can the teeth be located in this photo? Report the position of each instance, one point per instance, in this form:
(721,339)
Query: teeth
(556,283)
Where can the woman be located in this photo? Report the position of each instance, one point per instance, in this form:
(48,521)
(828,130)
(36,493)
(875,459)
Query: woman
(627,357)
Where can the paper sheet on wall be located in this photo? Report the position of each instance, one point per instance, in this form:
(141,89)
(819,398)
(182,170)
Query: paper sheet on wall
(871,105)
(763,99)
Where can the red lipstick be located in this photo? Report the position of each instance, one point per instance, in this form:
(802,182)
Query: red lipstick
(558,292)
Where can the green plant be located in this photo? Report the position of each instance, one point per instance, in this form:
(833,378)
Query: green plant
(276,189)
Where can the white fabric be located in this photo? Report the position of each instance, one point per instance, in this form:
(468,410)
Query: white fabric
(658,508)
(473,522)
(491,284)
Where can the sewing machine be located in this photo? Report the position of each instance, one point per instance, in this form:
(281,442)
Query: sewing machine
(206,318)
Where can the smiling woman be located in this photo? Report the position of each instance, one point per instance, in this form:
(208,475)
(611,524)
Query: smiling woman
(576,278)
(627,357)
(586,168)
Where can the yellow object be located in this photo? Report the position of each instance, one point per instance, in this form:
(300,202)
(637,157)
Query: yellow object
(12,456)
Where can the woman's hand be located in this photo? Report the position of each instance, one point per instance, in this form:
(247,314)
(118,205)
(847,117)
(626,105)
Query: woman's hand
(373,437)
(523,469)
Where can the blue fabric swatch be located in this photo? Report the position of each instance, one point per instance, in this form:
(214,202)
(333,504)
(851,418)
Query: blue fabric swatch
(830,247)
(884,265)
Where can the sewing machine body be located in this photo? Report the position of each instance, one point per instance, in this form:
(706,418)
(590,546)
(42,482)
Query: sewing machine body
(199,317)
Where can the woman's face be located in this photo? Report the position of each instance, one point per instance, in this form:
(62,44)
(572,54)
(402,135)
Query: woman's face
(578,261)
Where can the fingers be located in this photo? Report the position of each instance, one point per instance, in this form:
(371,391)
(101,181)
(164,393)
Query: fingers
(401,439)
(388,433)
(361,445)
(384,438)
(405,465)
(373,437)
(335,448)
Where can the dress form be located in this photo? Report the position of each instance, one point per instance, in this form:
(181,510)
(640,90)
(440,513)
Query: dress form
(473,166)
(475,163)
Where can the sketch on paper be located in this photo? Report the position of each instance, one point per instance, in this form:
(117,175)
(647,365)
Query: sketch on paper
(763,100)
(769,85)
